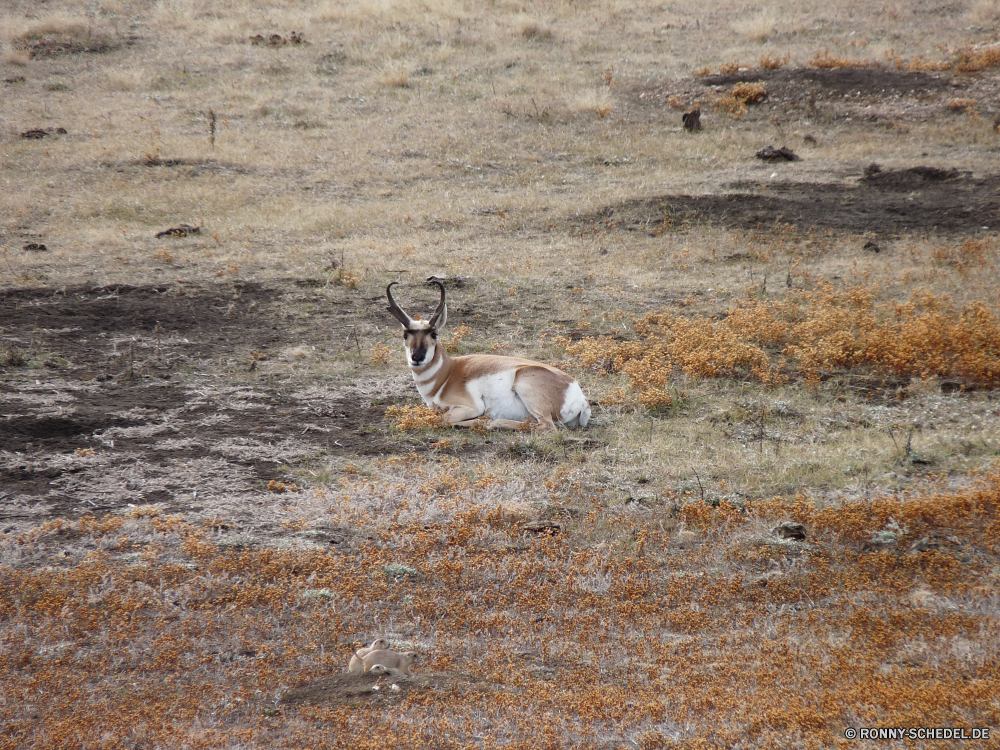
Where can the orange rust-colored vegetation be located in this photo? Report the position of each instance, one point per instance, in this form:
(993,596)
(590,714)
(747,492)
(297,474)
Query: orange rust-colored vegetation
(754,640)
(807,335)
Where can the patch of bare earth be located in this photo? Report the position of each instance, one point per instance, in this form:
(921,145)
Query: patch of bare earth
(874,95)
(921,199)
(132,395)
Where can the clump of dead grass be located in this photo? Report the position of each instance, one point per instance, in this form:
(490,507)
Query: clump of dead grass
(772,62)
(394,74)
(758,27)
(598,102)
(535,29)
(735,102)
(825,60)
(749,93)
(126,79)
(977,59)
(409,417)
(961,105)
(380,354)
(14,56)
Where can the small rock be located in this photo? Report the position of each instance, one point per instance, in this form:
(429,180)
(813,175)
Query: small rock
(770,153)
(872,246)
(181,231)
(548,528)
(39,133)
(35,247)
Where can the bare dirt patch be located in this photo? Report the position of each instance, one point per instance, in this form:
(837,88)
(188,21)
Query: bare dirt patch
(367,688)
(132,395)
(923,199)
(874,94)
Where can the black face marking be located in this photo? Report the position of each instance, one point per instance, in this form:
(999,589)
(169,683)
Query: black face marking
(417,344)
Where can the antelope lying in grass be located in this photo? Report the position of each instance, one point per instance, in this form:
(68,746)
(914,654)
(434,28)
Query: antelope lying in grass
(506,389)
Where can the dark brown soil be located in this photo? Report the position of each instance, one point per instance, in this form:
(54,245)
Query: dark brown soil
(877,95)
(124,395)
(790,83)
(53,46)
(352,689)
(922,199)
(356,689)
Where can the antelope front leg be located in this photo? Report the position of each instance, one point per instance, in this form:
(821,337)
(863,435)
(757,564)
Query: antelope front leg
(462,416)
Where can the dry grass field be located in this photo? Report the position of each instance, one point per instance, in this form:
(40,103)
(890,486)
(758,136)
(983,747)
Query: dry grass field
(784,519)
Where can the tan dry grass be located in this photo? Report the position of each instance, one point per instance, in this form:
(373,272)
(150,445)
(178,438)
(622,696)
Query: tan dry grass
(757,27)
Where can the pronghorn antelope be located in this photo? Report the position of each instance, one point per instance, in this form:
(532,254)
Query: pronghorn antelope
(506,389)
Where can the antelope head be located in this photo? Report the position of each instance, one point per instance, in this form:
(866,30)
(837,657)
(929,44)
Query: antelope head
(419,335)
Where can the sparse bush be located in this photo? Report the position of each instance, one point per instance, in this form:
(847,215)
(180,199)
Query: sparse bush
(827,61)
(961,105)
(749,93)
(977,59)
(407,417)
(810,333)
(394,75)
(758,27)
(735,103)
(454,342)
(380,354)
(770,62)
(532,28)
(14,56)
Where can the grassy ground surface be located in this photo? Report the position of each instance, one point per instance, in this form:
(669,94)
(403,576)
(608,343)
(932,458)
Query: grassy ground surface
(215,478)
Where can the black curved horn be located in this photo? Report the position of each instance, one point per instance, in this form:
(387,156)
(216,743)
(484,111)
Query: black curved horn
(394,309)
(440,315)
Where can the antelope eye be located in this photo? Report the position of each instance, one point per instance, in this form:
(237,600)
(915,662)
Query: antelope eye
(406,334)
(434,335)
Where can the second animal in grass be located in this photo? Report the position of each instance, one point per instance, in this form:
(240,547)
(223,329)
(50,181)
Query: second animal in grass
(390,660)
(357,661)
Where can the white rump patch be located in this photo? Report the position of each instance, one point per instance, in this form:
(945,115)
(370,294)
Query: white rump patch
(575,410)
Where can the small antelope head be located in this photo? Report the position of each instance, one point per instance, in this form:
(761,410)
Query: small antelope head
(419,336)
